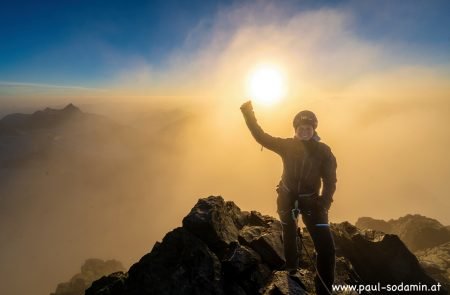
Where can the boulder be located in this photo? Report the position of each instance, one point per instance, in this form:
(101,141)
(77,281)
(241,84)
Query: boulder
(181,264)
(378,257)
(210,220)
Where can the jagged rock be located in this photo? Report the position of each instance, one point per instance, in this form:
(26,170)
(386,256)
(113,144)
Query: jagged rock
(114,284)
(280,283)
(380,258)
(255,218)
(244,271)
(239,259)
(240,218)
(249,281)
(209,219)
(91,270)
(181,264)
(266,241)
(345,273)
(416,231)
(436,261)
(223,250)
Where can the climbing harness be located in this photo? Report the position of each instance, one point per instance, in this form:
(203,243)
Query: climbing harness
(295,212)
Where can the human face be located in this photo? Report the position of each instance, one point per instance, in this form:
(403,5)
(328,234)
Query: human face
(304,132)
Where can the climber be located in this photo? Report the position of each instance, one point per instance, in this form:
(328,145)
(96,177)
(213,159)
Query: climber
(307,164)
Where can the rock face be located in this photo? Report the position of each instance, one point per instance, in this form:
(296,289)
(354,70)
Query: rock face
(436,261)
(378,257)
(416,231)
(223,250)
(92,270)
(426,237)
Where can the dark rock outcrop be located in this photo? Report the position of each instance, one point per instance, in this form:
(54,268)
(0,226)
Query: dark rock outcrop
(181,262)
(427,237)
(209,219)
(223,250)
(92,270)
(416,231)
(378,257)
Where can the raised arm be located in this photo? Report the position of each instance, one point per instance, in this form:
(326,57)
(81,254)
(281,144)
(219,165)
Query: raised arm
(272,143)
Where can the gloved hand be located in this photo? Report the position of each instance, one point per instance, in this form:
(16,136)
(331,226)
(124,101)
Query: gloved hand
(324,202)
(247,106)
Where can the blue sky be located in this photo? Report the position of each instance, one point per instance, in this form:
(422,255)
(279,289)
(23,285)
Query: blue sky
(376,73)
(62,41)
(84,43)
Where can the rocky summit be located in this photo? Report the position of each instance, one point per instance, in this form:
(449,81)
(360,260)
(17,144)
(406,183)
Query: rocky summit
(220,249)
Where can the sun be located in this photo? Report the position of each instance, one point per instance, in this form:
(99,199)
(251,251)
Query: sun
(266,84)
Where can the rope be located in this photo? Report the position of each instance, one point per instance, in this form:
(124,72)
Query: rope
(315,268)
(309,256)
(297,210)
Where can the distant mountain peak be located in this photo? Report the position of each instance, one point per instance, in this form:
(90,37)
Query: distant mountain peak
(68,109)
(46,118)
(417,231)
(71,108)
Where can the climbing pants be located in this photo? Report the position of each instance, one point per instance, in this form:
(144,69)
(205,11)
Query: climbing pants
(316,220)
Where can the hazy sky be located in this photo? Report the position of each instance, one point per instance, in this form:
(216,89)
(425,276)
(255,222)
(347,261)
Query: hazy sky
(376,73)
(88,43)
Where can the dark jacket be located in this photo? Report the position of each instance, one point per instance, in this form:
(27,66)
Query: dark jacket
(305,163)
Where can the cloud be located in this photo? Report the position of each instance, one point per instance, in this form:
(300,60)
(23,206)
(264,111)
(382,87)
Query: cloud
(363,91)
(317,48)
(371,98)
(383,110)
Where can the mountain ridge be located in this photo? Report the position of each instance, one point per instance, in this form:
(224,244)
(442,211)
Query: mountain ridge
(49,117)
(417,231)
(220,249)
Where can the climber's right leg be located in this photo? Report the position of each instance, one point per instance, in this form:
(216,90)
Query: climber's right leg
(289,230)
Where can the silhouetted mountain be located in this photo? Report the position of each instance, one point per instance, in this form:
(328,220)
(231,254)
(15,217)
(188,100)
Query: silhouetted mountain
(416,231)
(220,249)
(40,137)
(92,270)
(44,135)
(75,178)
(48,118)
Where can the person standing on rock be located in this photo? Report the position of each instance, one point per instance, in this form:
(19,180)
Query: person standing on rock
(307,164)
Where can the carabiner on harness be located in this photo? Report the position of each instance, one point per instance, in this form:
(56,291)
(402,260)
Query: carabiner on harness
(296,211)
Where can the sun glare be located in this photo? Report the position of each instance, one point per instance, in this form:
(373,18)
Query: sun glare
(266,84)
